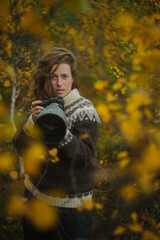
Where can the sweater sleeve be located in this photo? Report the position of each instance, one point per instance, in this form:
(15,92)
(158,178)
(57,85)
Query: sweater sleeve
(24,137)
(78,146)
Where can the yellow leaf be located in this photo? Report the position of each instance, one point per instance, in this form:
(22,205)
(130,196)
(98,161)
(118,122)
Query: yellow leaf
(122,154)
(131,129)
(84,136)
(100,85)
(34,156)
(123,163)
(148,169)
(35,131)
(135,227)
(7,83)
(80,208)
(7,130)
(6,161)
(42,215)
(53,152)
(119,230)
(151,152)
(88,204)
(13,175)
(123,90)
(128,193)
(55,159)
(134,217)
(16,205)
(148,235)
(103,111)
(114,106)
(10,71)
(98,206)
(117,86)
(110,97)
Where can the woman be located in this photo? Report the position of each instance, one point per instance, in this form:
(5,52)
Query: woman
(73,174)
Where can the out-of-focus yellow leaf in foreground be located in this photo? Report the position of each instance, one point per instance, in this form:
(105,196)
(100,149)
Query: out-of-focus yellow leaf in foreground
(88,204)
(128,193)
(131,126)
(148,167)
(7,131)
(16,205)
(42,215)
(34,157)
(6,161)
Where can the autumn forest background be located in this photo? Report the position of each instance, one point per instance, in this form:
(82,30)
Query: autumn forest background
(117,45)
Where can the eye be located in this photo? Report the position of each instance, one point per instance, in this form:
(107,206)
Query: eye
(64,76)
(53,77)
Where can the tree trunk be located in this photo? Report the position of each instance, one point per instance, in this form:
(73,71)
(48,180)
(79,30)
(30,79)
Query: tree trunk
(13,100)
(15,93)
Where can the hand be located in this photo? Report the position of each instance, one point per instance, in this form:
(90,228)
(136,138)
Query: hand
(36,109)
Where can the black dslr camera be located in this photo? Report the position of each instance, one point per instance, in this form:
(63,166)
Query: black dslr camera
(54,99)
(52,120)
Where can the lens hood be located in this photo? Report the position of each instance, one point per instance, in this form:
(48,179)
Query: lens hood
(53,124)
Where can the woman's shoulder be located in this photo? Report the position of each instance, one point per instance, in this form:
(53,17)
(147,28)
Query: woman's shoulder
(74,98)
(83,109)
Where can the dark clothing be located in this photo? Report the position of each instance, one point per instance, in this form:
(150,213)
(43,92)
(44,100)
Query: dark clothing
(71,226)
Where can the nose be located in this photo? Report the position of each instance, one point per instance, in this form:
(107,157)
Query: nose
(59,82)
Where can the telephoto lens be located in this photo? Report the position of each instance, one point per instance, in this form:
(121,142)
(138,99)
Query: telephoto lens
(52,120)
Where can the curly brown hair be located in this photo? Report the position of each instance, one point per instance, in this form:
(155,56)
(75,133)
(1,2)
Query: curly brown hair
(41,83)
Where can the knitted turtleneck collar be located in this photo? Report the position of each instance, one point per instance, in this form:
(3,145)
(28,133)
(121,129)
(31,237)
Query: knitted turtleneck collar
(70,97)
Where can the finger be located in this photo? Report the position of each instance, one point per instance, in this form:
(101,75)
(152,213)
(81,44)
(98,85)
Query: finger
(37,108)
(36,112)
(35,103)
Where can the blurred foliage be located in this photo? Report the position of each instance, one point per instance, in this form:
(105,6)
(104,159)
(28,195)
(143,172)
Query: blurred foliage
(117,44)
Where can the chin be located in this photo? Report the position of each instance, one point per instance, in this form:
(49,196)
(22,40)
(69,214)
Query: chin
(60,95)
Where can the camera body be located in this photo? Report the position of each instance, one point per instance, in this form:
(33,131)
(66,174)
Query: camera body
(53,99)
(52,120)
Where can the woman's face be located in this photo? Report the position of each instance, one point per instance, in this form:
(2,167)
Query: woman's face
(61,79)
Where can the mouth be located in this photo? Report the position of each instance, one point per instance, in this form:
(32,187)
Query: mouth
(60,91)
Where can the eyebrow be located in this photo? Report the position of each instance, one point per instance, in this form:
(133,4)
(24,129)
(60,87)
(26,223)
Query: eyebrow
(61,74)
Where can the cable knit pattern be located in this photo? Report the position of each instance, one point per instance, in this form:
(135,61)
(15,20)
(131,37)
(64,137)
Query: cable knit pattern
(77,110)
(74,173)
